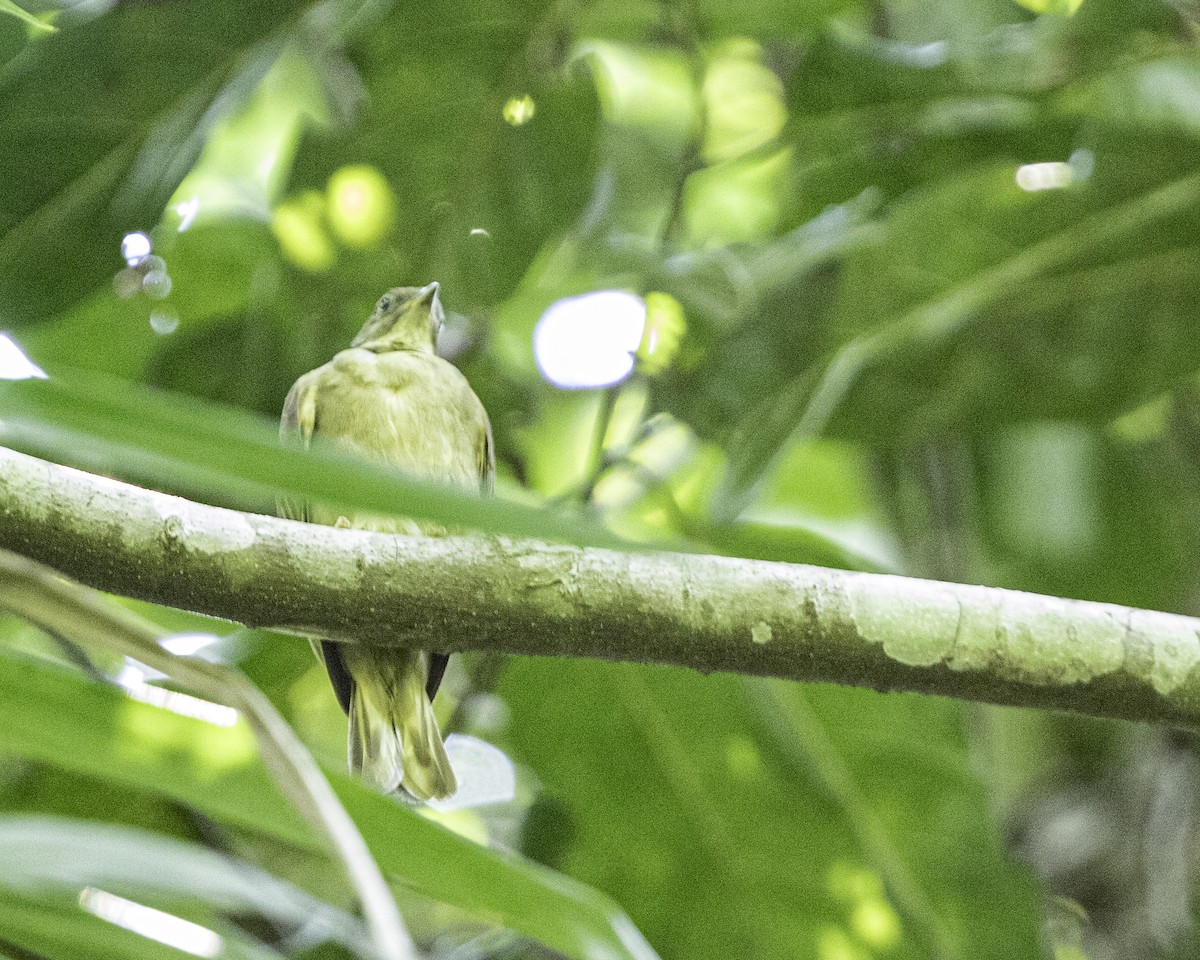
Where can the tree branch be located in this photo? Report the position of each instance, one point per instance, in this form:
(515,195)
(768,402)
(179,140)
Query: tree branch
(527,597)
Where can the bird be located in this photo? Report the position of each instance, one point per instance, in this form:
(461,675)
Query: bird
(391,399)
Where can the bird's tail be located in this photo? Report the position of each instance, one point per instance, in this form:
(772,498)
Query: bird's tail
(394,736)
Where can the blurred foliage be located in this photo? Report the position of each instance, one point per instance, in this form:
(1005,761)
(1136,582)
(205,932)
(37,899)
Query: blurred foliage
(920,283)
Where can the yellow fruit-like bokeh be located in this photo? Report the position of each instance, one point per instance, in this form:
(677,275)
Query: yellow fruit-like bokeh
(299,226)
(361,206)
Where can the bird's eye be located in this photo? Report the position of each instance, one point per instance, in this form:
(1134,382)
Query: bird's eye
(384,302)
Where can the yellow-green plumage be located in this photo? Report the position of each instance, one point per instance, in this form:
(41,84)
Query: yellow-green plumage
(390,398)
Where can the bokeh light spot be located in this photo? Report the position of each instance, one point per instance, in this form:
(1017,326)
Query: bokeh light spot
(135,247)
(486,774)
(876,923)
(127,283)
(589,341)
(156,282)
(14,365)
(1033,177)
(1082,162)
(743,758)
(362,207)
(299,227)
(187,211)
(518,111)
(164,322)
(188,644)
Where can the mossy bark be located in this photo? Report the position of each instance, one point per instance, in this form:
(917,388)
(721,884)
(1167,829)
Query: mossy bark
(527,597)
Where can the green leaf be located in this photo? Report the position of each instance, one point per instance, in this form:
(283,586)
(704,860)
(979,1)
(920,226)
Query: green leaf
(758,315)
(974,290)
(809,813)
(82,104)
(923,311)
(891,765)
(185,445)
(64,855)
(59,719)
(63,931)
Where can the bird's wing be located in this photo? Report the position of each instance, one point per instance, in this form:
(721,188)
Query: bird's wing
(296,426)
(486,458)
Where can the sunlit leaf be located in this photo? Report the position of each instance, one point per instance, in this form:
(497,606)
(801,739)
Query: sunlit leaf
(11,8)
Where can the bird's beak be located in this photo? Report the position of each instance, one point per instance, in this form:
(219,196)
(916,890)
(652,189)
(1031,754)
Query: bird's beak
(428,294)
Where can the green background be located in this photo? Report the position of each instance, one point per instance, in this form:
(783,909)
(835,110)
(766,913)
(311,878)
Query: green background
(882,350)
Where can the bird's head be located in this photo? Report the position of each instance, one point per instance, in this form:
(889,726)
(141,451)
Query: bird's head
(405,318)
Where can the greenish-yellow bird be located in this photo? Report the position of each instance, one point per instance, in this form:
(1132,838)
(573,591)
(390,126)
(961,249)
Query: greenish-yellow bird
(390,398)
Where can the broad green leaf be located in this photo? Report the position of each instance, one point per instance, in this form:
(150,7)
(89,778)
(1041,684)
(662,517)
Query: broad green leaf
(959,247)
(760,315)
(915,315)
(60,719)
(769,819)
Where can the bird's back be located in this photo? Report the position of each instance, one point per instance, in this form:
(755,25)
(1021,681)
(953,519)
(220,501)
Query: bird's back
(410,410)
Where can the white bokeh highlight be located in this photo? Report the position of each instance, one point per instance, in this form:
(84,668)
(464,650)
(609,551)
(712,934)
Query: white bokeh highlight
(14,365)
(135,248)
(153,924)
(188,644)
(132,679)
(1034,177)
(187,211)
(589,341)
